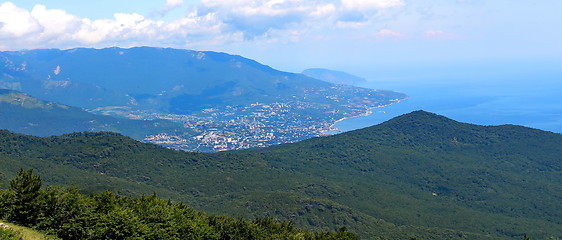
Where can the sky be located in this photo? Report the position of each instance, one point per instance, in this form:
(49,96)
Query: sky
(292,35)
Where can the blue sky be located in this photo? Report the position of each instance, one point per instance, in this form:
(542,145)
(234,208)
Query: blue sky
(352,35)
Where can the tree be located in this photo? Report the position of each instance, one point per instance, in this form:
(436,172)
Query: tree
(25,188)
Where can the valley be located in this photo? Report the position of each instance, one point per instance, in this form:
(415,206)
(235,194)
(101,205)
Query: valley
(217,101)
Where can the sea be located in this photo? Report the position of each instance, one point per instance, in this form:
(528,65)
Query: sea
(527,94)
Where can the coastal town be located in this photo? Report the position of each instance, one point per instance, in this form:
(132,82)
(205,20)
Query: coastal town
(261,124)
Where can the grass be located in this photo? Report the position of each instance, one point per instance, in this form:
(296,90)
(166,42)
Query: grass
(15,232)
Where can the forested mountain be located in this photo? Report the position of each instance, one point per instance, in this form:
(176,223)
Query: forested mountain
(70,215)
(169,80)
(417,175)
(234,102)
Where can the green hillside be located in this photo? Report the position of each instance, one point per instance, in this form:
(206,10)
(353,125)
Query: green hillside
(418,175)
(22,113)
(70,215)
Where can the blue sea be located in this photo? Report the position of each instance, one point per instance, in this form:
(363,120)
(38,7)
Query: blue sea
(527,94)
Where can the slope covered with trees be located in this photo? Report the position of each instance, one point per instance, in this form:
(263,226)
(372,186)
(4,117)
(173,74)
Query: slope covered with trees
(418,175)
(68,214)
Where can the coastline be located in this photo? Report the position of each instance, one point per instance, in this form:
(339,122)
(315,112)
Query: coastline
(368,112)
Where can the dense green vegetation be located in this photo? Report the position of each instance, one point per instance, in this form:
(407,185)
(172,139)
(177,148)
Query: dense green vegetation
(68,214)
(418,175)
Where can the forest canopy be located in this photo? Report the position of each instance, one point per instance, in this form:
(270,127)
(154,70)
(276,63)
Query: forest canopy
(69,214)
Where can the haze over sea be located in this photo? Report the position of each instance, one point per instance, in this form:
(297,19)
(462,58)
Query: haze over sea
(522,93)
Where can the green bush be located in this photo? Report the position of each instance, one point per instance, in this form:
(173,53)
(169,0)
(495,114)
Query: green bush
(71,215)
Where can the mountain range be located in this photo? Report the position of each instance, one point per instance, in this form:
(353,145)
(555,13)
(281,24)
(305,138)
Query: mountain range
(172,80)
(223,101)
(332,76)
(418,175)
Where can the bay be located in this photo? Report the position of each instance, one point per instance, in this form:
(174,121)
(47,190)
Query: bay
(524,96)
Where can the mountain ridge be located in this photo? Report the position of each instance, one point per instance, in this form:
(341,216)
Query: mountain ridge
(332,76)
(232,101)
(140,70)
(501,186)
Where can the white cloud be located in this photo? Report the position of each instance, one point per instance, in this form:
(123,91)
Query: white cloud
(257,17)
(17,22)
(357,14)
(352,24)
(55,24)
(168,6)
(363,5)
(439,34)
(47,28)
(173,4)
(387,33)
(324,10)
(210,21)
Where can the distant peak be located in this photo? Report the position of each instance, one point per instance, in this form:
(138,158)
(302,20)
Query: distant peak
(423,112)
(420,113)
(420,119)
(332,76)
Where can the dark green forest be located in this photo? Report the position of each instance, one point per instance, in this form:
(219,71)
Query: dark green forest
(69,214)
(418,175)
